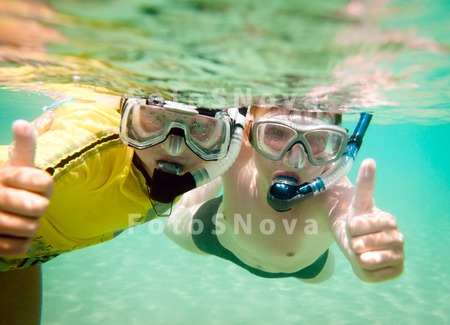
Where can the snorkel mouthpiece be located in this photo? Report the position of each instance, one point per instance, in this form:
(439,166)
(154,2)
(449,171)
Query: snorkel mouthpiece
(167,183)
(284,193)
(169,167)
(284,187)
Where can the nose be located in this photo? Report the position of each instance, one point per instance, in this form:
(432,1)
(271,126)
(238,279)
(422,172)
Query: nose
(174,145)
(296,157)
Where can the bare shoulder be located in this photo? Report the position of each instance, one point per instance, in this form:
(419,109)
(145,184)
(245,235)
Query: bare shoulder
(178,227)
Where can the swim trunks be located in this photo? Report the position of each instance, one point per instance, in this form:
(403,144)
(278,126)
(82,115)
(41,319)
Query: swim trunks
(99,192)
(207,241)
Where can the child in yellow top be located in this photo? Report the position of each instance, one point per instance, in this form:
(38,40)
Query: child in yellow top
(101,163)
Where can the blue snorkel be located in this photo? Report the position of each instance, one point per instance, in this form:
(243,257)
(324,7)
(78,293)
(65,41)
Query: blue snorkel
(284,193)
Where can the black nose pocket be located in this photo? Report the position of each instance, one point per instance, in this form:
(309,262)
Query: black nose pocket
(177,131)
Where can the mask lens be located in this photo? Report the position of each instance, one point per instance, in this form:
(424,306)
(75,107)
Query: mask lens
(210,136)
(144,126)
(147,122)
(324,145)
(205,131)
(272,139)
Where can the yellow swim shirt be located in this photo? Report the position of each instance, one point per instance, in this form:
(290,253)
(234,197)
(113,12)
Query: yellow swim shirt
(98,191)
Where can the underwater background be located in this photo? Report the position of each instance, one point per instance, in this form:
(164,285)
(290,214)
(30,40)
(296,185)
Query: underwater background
(388,57)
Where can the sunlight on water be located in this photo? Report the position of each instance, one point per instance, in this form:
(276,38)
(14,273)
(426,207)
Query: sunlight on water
(375,55)
(391,57)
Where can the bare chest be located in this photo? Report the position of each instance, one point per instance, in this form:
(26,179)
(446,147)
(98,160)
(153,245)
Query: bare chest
(275,241)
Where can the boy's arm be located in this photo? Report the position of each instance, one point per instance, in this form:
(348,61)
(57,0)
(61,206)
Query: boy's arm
(179,224)
(368,236)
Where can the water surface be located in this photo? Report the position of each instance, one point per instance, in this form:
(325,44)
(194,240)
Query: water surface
(391,58)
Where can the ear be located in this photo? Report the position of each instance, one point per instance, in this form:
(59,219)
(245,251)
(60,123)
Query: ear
(248,130)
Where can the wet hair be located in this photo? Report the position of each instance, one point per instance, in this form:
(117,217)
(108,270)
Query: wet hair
(303,104)
(259,111)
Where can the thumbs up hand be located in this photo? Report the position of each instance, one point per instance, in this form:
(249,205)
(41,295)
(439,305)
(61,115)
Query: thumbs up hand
(375,245)
(24,193)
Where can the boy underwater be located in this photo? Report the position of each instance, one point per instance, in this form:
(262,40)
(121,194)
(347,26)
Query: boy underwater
(95,168)
(276,237)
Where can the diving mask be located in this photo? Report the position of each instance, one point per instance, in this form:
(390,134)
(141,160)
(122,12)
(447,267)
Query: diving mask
(147,122)
(284,192)
(273,138)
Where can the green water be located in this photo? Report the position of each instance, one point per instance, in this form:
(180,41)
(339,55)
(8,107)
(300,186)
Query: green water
(213,53)
(143,278)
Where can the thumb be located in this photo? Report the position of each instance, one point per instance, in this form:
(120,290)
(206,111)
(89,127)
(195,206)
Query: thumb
(23,149)
(365,185)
